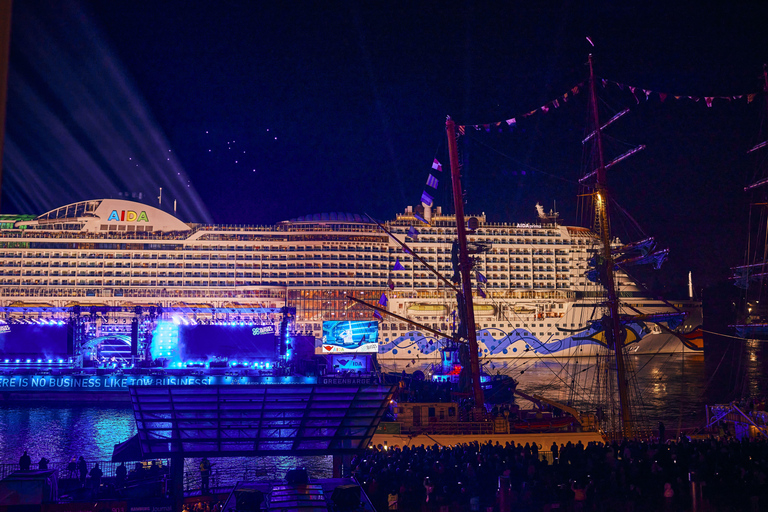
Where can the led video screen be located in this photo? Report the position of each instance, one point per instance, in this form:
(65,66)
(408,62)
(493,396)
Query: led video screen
(341,337)
(230,341)
(33,340)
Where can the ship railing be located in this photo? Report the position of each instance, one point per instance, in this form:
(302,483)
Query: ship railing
(452,428)
(223,478)
(107,467)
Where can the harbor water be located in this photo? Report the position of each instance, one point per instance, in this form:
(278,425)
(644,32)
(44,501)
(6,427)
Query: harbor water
(675,389)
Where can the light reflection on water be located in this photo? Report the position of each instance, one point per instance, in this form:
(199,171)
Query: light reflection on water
(60,432)
(674,387)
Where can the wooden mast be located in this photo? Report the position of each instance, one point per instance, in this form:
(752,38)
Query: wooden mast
(465,265)
(613,331)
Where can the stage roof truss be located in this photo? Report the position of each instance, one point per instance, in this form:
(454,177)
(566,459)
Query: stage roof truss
(257,419)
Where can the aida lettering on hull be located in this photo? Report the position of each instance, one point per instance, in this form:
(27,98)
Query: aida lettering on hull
(128,216)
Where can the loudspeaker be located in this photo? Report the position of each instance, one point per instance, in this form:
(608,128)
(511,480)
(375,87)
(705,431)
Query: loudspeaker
(298,476)
(134,337)
(71,338)
(247,500)
(346,497)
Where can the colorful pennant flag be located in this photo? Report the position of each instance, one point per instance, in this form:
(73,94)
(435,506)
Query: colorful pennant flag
(376,314)
(480,278)
(432,181)
(437,166)
(383,300)
(422,219)
(398,265)
(391,284)
(413,233)
(426,199)
(480,291)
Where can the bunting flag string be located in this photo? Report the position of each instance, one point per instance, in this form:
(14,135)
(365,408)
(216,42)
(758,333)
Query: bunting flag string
(383,300)
(398,265)
(512,122)
(480,278)
(437,166)
(413,233)
(376,314)
(426,199)
(638,93)
(648,94)
(391,284)
(480,291)
(432,181)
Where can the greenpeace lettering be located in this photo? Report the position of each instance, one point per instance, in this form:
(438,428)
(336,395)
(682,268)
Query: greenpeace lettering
(263,329)
(128,216)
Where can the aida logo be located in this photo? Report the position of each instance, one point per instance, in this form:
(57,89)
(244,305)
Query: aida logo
(128,216)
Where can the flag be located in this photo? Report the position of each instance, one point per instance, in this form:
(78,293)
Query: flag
(480,278)
(391,284)
(437,166)
(422,219)
(480,291)
(413,233)
(432,181)
(376,314)
(426,199)
(383,299)
(398,265)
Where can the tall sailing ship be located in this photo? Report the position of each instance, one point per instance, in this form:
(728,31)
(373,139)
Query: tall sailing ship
(752,276)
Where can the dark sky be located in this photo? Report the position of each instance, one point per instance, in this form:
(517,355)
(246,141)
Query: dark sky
(271,110)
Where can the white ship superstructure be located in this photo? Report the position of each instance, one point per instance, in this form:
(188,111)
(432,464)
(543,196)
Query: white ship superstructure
(539,301)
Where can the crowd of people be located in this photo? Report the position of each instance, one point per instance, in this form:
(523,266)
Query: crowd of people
(90,475)
(633,475)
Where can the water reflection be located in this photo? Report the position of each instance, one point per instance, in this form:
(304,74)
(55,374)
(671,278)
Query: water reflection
(60,431)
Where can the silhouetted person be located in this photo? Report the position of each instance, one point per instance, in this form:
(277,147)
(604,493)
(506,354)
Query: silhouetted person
(205,475)
(662,429)
(82,469)
(96,474)
(72,468)
(25,461)
(43,464)
(121,472)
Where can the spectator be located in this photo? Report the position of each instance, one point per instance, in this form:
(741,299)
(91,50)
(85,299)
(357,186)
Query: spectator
(25,461)
(96,474)
(82,469)
(205,475)
(121,472)
(43,464)
(72,468)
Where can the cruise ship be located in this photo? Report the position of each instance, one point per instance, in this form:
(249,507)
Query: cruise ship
(110,258)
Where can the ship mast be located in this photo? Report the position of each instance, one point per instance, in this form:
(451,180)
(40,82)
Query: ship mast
(465,265)
(612,324)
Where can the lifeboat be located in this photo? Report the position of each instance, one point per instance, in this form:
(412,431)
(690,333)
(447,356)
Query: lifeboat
(484,309)
(21,304)
(421,308)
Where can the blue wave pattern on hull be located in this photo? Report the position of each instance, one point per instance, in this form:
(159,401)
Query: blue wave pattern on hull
(520,341)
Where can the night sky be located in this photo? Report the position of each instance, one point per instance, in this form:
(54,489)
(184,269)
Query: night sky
(257,112)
